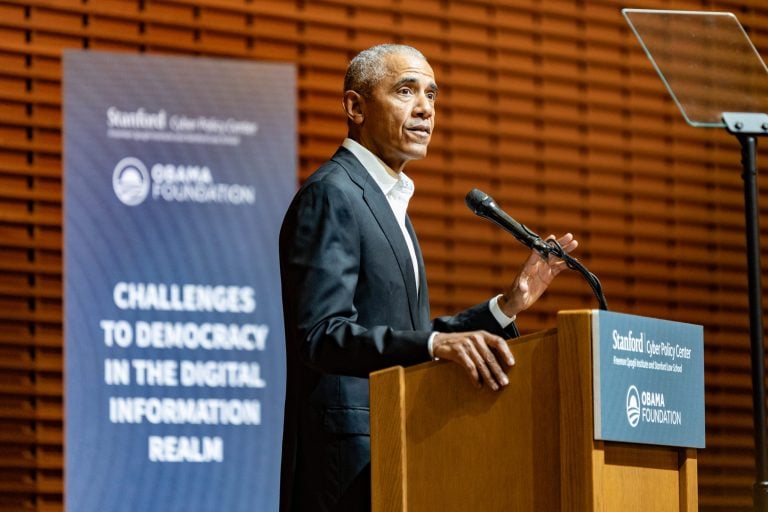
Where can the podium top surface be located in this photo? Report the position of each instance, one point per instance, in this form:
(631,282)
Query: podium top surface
(706,61)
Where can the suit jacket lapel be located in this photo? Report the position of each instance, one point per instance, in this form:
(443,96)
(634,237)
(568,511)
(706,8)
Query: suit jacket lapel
(382,211)
(378,204)
(423,301)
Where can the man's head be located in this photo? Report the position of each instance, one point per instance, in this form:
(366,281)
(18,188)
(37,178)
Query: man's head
(389,98)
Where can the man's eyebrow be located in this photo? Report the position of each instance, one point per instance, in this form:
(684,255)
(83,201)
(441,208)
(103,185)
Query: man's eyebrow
(408,80)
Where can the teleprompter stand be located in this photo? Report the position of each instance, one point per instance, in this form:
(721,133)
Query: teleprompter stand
(717,79)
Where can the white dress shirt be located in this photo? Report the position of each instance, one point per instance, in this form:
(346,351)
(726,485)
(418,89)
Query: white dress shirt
(398,191)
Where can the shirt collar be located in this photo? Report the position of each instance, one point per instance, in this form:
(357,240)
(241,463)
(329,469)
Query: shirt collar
(379,171)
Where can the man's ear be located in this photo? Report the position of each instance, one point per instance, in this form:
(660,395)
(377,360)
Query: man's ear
(353,106)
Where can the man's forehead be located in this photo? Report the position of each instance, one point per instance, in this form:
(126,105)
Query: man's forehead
(400,65)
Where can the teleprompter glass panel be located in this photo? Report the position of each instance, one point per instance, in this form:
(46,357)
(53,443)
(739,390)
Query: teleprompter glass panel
(705,59)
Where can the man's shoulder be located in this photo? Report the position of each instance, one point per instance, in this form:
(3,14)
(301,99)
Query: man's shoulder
(340,171)
(336,182)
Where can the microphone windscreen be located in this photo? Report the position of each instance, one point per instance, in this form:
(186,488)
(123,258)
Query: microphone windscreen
(474,200)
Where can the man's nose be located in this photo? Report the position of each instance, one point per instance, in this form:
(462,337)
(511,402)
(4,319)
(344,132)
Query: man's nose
(424,106)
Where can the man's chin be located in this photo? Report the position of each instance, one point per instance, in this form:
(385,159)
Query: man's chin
(417,150)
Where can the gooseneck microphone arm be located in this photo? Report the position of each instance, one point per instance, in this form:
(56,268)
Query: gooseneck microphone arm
(484,206)
(575,264)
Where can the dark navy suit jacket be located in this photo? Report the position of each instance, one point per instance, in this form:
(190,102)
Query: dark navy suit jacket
(351,307)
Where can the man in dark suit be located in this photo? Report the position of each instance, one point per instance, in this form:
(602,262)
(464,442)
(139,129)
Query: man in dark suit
(354,286)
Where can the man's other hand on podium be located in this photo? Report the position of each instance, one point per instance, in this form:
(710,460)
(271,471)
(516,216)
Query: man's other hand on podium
(480,353)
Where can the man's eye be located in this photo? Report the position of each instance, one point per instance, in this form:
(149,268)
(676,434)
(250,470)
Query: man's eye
(431,96)
(405,90)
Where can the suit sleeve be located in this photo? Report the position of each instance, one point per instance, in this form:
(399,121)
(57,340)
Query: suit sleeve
(475,318)
(320,265)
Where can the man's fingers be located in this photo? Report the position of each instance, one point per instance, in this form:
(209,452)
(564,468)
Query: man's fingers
(469,366)
(481,370)
(488,367)
(567,242)
(502,348)
(499,375)
(494,373)
(481,354)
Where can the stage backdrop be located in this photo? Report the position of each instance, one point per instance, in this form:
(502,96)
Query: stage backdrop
(177,172)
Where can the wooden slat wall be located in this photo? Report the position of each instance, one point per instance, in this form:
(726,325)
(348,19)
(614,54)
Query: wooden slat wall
(550,106)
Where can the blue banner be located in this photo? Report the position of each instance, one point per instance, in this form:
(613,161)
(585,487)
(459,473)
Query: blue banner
(176,172)
(648,378)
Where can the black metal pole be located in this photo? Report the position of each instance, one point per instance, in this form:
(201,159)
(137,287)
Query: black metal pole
(749,166)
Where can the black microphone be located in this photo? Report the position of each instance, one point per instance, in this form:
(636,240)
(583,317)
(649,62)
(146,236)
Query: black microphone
(484,206)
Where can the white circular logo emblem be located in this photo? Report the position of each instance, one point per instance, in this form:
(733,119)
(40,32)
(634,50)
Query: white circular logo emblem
(633,406)
(130,180)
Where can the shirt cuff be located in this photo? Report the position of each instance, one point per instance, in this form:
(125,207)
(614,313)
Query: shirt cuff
(498,314)
(429,344)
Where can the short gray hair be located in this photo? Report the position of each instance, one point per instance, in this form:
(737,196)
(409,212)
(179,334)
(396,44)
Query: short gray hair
(367,68)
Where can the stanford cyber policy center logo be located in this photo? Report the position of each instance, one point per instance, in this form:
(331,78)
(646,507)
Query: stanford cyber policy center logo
(130,180)
(633,406)
(179,183)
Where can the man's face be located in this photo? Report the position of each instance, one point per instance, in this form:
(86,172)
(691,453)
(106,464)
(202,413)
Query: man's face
(399,116)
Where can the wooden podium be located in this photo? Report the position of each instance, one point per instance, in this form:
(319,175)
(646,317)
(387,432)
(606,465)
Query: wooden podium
(439,444)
